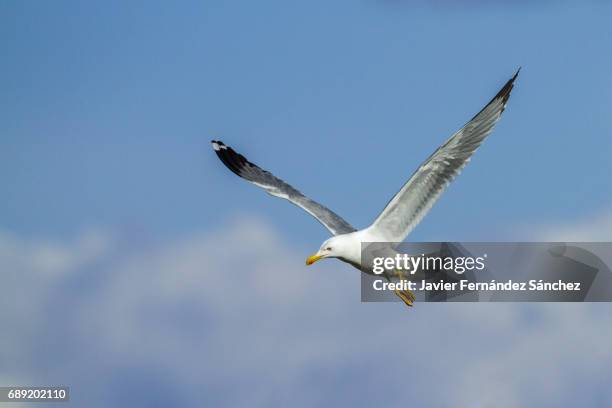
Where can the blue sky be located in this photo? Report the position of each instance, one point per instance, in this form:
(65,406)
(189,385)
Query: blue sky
(108,110)
(116,214)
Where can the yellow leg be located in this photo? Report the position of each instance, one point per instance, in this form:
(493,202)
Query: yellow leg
(406,295)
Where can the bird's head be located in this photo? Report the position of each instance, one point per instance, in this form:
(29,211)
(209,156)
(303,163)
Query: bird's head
(335,247)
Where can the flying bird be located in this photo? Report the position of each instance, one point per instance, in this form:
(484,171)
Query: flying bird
(405,210)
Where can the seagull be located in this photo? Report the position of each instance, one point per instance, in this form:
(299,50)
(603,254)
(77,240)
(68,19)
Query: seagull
(405,210)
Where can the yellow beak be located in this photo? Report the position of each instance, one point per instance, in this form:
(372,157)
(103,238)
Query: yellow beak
(313,259)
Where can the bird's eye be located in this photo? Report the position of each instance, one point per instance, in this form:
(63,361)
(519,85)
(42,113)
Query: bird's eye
(328,249)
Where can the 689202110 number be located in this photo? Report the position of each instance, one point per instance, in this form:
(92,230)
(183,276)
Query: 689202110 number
(31,394)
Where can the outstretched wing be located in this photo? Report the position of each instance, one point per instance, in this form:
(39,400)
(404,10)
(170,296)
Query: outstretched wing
(238,164)
(417,196)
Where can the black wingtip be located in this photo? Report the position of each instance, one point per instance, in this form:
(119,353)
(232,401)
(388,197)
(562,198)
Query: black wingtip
(234,161)
(504,93)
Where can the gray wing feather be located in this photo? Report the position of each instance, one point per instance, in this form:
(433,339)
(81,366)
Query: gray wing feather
(418,195)
(239,165)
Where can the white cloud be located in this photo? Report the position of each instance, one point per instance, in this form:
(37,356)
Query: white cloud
(233,317)
(566,346)
(46,258)
(597,229)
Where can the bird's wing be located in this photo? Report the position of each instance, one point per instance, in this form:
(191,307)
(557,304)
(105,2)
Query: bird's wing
(238,164)
(417,196)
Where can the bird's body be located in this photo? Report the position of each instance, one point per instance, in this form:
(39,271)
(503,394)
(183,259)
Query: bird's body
(406,208)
